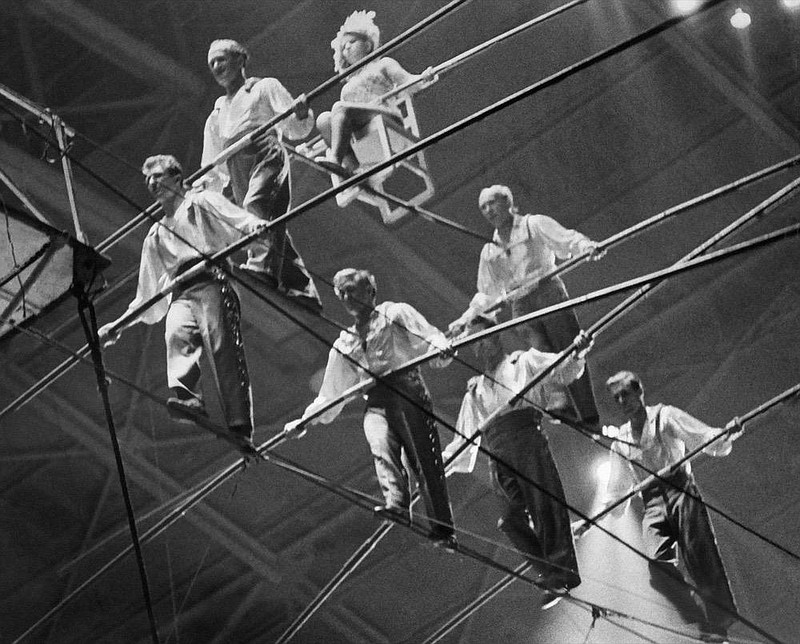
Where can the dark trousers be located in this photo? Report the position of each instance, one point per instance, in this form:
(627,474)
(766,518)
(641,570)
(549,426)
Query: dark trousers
(554,333)
(394,426)
(204,317)
(261,185)
(535,518)
(673,520)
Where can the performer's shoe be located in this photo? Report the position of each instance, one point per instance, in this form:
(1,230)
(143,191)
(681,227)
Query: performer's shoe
(713,634)
(394,513)
(444,538)
(309,303)
(187,411)
(592,425)
(261,275)
(242,432)
(552,596)
(242,436)
(334,166)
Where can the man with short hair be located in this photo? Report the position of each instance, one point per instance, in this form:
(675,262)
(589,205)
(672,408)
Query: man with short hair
(523,472)
(525,247)
(259,175)
(657,436)
(397,420)
(202,314)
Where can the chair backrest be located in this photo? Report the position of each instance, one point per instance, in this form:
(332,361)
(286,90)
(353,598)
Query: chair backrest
(404,103)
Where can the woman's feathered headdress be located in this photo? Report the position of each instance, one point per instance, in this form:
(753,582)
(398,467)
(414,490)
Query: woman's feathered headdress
(358,22)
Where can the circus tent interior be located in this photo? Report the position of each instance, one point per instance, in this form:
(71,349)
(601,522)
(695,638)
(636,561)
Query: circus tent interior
(650,126)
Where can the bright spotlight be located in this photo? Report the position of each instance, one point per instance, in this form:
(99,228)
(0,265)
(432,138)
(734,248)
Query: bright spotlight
(687,6)
(602,472)
(740,19)
(791,4)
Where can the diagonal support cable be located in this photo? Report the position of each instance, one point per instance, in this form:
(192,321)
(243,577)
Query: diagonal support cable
(451,64)
(90,327)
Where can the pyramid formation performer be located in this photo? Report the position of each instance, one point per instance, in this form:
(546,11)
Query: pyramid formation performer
(675,520)
(258,177)
(524,248)
(522,469)
(203,314)
(360,97)
(397,420)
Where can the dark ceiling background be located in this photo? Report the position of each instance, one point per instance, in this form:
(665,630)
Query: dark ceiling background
(663,122)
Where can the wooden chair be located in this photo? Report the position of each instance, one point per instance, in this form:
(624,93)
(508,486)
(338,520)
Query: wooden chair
(380,139)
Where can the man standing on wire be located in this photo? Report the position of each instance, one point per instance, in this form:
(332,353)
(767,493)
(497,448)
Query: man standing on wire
(523,471)
(202,315)
(656,436)
(398,418)
(524,248)
(259,175)
(358,37)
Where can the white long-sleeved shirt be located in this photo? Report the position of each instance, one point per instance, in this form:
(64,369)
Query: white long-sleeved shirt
(489,392)
(207,222)
(254,104)
(666,438)
(397,333)
(534,244)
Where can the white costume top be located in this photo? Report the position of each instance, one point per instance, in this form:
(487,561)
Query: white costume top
(534,244)
(397,333)
(208,222)
(372,81)
(255,103)
(666,437)
(489,392)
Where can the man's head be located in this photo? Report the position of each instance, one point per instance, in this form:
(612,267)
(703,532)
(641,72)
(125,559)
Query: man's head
(226,60)
(490,348)
(357,37)
(357,290)
(496,204)
(628,392)
(163,175)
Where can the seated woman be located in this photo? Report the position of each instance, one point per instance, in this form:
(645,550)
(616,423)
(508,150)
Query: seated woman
(360,96)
